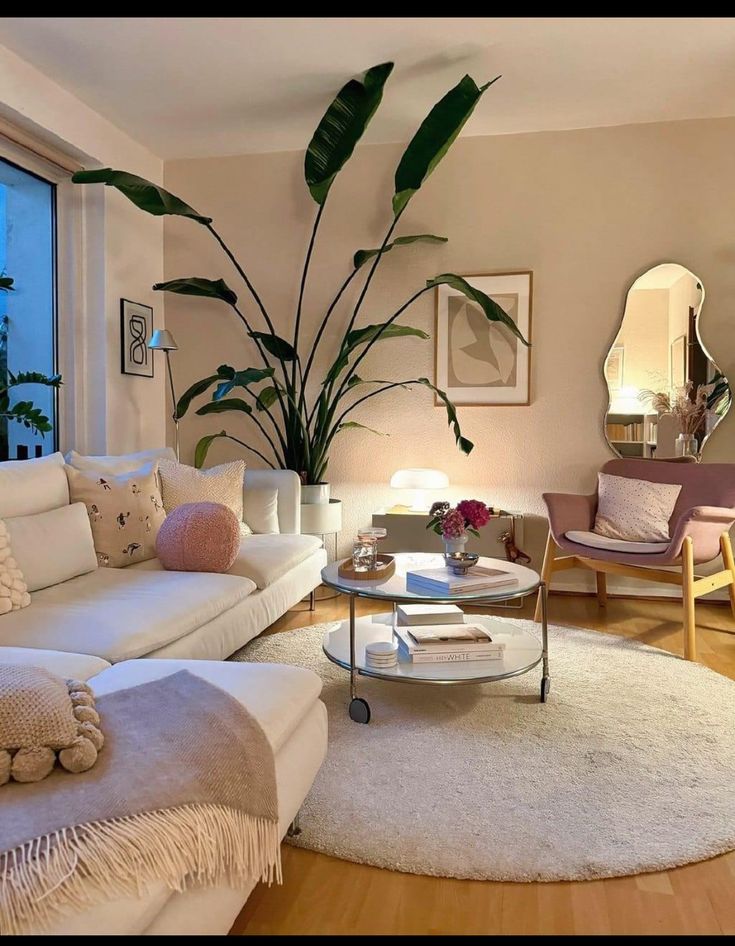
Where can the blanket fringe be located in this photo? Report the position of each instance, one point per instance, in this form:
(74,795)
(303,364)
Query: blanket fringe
(75,868)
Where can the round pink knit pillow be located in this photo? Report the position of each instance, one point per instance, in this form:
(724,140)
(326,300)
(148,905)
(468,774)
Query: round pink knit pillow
(199,537)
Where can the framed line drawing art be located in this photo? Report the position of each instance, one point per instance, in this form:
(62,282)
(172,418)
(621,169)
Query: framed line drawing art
(136,329)
(478,362)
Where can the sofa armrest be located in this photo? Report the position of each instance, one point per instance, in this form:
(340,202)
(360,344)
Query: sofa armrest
(288,485)
(570,511)
(703,525)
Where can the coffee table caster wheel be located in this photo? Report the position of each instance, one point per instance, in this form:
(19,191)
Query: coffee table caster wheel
(359,710)
(545,688)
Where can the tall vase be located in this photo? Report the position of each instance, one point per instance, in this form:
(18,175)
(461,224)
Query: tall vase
(456,545)
(686,445)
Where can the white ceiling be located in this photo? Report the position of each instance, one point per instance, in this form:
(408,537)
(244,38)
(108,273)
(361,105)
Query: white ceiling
(210,86)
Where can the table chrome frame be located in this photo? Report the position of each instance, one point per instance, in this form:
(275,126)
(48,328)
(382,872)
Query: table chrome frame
(363,715)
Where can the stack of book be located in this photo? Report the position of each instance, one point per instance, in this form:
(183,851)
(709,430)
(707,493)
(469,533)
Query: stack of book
(443,582)
(447,639)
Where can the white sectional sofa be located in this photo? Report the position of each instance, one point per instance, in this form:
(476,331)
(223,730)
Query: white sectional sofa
(94,626)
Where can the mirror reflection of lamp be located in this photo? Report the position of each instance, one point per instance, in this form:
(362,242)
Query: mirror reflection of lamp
(419,481)
(626,401)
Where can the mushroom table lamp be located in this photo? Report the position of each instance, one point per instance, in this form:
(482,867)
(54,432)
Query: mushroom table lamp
(419,481)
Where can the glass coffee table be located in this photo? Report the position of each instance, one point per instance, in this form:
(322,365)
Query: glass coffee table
(345,645)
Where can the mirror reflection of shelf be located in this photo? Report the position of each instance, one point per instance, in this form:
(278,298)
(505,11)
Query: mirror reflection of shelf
(633,434)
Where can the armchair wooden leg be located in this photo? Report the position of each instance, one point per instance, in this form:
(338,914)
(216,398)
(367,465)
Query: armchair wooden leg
(546,571)
(690,624)
(729,561)
(601,579)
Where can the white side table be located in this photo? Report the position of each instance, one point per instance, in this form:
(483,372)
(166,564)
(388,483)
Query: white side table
(323,519)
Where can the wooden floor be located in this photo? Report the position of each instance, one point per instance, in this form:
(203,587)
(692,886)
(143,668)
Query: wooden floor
(324,895)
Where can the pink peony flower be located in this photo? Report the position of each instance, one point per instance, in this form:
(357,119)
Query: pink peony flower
(453,524)
(475,512)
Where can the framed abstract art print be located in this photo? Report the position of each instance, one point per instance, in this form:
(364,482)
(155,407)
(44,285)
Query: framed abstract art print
(136,329)
(478,362)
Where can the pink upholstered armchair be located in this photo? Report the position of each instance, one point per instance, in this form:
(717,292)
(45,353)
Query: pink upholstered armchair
(699,530)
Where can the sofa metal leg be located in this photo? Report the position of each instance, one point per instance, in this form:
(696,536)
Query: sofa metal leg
(312,600)
(729,561)
(294,829)
(546,571)
(690,623)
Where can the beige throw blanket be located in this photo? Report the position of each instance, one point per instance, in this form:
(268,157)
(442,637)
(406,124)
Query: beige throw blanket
(184,791)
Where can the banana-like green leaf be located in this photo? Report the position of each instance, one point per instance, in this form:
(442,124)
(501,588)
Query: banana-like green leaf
(265,398)
(199,387)
(34,377)
(198,286)
(6,283)
(226,404)
(353,425)
(492,310)
(145,195)
(239,379)
(466,446)
(341,128)
(202,448)
(361,336)
(274,345)
(434,138)
(362,256)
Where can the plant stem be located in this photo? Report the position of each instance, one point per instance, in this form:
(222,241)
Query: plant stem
(325,320)
(252,450)
(302,288)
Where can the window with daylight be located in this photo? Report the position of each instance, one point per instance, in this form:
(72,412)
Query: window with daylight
(28,312)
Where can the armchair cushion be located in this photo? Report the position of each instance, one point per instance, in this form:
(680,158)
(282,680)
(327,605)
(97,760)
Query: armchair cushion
(634,510)
(595,541)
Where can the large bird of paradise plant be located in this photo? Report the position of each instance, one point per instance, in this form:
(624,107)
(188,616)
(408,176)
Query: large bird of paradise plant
(300,429)
(22,411)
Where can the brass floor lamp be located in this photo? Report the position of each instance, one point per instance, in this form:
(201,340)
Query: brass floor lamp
(163,340)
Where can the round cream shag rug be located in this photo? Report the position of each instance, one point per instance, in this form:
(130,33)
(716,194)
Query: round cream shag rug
(629,767)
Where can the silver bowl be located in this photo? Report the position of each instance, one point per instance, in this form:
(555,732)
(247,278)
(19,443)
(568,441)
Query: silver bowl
(460,562)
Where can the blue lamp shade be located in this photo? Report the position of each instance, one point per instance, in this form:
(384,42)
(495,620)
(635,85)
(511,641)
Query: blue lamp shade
(163,340)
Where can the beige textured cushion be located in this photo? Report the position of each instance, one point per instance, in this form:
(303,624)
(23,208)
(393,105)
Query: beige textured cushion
(635,510)
(125,513)
(13,589)
(53,546)
(41,714)
(184,484)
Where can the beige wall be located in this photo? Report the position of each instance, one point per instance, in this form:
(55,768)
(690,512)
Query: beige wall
(645,337)
(117,252)
(588,211)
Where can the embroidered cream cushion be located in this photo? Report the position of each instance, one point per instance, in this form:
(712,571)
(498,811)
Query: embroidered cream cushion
(125,512)
(13,589)
(184,484)
(635,510)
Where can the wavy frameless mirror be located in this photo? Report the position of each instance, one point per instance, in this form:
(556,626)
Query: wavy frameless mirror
(666,393)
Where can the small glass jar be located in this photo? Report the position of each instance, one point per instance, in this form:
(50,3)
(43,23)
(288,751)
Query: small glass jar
(364,554)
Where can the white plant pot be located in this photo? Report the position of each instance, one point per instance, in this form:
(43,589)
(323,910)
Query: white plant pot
(318,494)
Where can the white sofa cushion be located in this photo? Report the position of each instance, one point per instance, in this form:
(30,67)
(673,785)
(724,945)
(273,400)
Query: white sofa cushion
(278,696)
(595,541)
(265,558)
(31,486)
(260,509)
(119,614)
(54,546)
(68,666)
(262,558)
(125,463)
